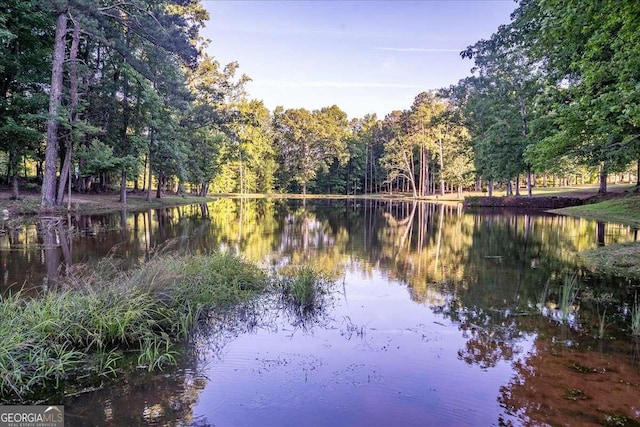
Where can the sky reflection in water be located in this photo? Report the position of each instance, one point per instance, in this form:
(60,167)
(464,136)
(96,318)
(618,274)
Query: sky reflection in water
(384,359)
(433,322)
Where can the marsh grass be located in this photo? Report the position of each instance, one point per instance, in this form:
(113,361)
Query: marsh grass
(303,288)
(85,328)
(602,323)
(542,297)
(635,318)
(568,293)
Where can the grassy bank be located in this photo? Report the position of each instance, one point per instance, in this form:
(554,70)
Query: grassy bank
(84,330)
(621,260)
(624,210)
(29,203)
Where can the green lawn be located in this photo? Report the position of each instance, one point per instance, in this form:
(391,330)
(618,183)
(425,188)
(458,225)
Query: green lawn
(624,210)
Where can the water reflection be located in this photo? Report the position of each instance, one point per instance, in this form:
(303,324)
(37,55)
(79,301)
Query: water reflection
(418,243)
(428,298)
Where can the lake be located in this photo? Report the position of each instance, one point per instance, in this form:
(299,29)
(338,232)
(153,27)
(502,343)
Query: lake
(434,316)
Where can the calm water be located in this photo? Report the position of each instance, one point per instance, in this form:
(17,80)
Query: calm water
(435,317)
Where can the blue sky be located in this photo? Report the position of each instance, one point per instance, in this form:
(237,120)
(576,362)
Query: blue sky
(363,56)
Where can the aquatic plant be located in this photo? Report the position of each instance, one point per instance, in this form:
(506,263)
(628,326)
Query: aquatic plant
(542,297)
(602,324)
(568,293)
(635,319)
(303,288)
(83,328)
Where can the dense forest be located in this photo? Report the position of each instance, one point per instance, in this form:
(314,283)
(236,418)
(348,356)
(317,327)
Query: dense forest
(122,94)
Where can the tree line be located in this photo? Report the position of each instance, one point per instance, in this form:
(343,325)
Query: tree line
(122,94)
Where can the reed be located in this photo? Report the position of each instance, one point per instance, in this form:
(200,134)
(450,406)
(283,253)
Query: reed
(542,297)
(303,288)
(602,324)
(635,319)
(84,328)
(568,292)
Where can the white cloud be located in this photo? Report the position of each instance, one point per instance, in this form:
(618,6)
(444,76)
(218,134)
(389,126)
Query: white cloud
(334,84)
(415,49)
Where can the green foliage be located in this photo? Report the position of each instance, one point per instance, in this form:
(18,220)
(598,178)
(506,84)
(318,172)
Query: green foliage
(26,38)
(567,295)
(85,327)
(97,158)
(309,142)
(304,290)
(588,77)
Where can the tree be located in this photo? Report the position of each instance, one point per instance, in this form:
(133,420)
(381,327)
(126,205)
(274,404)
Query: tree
(589,52)
(511,80)
(308,142)
(455,151)
(166,29)
(25,35)
(217,121)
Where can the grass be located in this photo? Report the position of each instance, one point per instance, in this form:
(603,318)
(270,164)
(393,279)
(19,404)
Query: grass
(303,289)
(622,210)
(567,295)
(635,318)
(86,329)
(622,260)
(602,323)
(29,203)
(542,297)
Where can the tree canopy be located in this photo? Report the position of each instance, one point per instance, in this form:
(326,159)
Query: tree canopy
(127,95)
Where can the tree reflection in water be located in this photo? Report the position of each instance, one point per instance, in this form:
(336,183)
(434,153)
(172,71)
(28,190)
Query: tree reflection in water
(168,398)
(483,271)
(567,372)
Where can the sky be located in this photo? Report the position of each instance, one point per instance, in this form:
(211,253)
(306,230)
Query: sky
(363,56)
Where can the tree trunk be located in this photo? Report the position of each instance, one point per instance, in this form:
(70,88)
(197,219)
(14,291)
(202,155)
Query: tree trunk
(529,183)
(204,189)
(125,125)
(366,167)
(15,187)
(441,168)
(48,194)
(518,185)
(150,181)
(638,177)
(12,171)
(603,180)
(123,186)
(159,186)
(412,182)
(490,187)
(73,107)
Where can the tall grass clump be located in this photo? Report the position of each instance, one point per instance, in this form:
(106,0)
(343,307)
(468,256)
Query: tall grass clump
(635,319)
(304,289)
(84,329)
(568,293)
(542,297)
